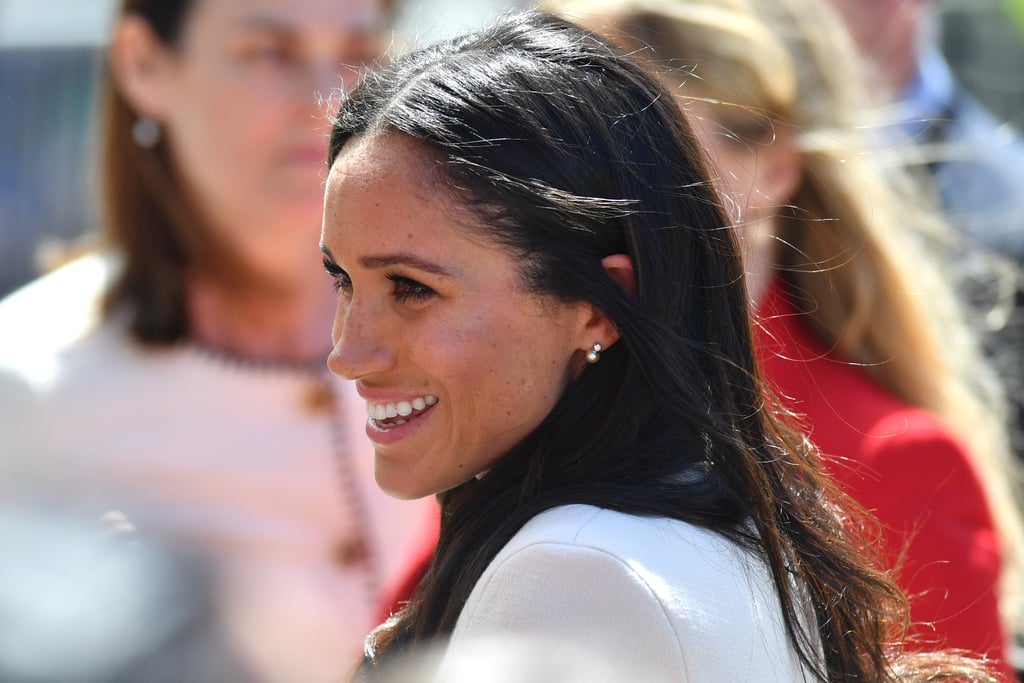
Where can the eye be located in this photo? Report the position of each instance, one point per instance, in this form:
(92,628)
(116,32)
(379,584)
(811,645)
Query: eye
(268,52)
(409,290)
(342,282)
(749,130)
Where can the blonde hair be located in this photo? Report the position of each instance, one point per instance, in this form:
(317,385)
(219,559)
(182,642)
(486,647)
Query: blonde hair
(851,224)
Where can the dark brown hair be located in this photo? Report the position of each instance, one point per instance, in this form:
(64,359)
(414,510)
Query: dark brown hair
(567,151)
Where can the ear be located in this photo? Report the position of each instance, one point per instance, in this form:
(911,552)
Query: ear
(139,62)
(620,268)
(596,326)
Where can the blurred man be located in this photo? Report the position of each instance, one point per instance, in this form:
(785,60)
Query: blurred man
(976,164)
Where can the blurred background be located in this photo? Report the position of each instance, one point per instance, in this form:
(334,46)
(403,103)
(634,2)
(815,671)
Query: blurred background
(51,54)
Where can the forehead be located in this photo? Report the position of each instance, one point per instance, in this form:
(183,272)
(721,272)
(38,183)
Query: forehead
(389,159)
(296,15)
(384,173)
(391,178)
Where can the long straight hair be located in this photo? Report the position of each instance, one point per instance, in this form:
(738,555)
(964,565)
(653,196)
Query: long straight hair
(147,216)
(846,233)
(566,152)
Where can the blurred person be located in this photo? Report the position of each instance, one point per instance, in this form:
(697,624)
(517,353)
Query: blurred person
(865,342)
(543,305)
(977,160)
(974,161)
(85,602)
(178,372)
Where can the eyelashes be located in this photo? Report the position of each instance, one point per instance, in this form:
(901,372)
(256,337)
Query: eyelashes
(342,282)
(406,289)
(403,288)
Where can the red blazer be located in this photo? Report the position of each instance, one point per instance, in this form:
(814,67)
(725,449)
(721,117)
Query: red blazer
(909,470)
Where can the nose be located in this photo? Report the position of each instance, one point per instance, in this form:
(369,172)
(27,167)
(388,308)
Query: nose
(361,342)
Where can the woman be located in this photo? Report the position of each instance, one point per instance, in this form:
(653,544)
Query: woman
(541,302)
(860,337)
(177,375)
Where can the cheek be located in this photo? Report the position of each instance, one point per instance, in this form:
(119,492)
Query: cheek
(209,144)
(515,377)
(739,170)
(229,121)
(732,167)
(230,159)
(475,352)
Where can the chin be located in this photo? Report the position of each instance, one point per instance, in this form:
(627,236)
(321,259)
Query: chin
(400,489)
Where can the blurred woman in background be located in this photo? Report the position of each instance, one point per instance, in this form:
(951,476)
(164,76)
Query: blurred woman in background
(178,373)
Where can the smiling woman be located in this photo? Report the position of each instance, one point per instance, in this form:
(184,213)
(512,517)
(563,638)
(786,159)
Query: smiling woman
(521,230)
(431,315)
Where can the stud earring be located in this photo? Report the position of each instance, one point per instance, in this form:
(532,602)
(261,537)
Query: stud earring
(594,354)
(146,132)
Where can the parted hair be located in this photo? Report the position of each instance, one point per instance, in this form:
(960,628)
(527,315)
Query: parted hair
(566,151)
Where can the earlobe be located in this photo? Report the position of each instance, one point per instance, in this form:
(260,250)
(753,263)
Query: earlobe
(598,331)
(137,64)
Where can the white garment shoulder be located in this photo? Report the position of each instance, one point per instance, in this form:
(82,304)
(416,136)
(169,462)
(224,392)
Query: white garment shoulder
(658,597)
(232,460)
(49,314)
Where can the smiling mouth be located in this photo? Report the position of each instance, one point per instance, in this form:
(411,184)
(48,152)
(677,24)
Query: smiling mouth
(385,415)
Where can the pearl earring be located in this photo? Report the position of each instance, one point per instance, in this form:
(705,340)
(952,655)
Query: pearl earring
(594,354)
(146,132)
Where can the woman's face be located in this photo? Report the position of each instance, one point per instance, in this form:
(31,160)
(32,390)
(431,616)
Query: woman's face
(457,362)
(758,167)
(238,98)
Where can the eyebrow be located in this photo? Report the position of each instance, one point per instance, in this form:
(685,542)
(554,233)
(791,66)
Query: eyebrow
(260,22)
(264,23)
(400,258)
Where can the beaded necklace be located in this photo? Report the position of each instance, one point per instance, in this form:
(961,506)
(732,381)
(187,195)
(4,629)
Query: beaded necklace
(319,397)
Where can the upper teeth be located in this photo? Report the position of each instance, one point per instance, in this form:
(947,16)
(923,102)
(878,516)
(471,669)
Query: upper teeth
(384,411)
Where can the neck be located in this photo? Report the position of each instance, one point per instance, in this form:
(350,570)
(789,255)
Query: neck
(289,324)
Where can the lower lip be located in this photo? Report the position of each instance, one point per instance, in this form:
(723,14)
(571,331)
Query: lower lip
(385,436)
